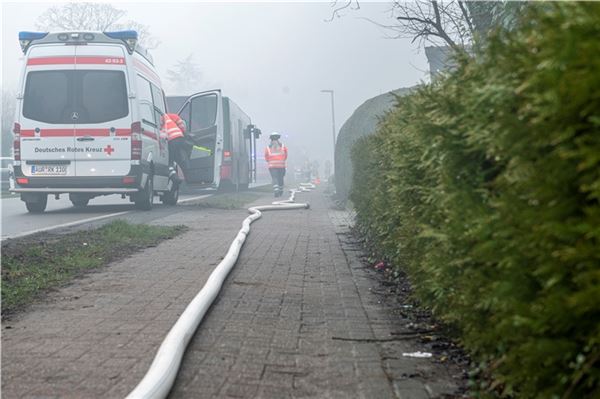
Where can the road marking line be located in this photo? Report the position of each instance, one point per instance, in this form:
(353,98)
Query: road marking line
(193,198)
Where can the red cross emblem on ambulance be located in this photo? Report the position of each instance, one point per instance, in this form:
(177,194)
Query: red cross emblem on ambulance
(108,150)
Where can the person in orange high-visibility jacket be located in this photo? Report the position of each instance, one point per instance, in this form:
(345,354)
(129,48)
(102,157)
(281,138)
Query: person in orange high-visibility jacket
(276,154)
(175,127)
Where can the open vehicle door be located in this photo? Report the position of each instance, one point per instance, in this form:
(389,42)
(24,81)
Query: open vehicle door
(202,113)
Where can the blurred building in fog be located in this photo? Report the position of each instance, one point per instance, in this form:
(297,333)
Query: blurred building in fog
(361,123)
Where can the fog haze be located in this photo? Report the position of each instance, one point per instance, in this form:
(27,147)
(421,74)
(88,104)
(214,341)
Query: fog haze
(272,59)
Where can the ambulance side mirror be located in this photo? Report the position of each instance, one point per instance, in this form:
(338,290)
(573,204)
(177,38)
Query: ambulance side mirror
(248,131)
(251,130)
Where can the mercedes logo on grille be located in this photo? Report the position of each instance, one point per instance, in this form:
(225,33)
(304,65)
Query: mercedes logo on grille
(75,116)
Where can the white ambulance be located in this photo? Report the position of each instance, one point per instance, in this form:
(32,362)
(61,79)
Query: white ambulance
(88,121)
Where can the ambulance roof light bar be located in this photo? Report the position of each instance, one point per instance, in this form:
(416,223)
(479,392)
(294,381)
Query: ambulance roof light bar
(127,37)
(130,37)
(25,38)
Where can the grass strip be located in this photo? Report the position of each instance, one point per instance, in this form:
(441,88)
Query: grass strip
(228,201)
(31,267)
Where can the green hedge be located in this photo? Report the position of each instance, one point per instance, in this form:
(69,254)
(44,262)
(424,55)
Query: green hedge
(485,188)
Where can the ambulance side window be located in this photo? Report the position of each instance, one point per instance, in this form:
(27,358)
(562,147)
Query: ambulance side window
(145,97)
(159,102)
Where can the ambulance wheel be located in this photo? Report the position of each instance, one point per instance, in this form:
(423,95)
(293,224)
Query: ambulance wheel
(38,206)
(145,198)
(172,196)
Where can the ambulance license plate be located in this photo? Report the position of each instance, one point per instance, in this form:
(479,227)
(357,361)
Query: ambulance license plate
(49,170)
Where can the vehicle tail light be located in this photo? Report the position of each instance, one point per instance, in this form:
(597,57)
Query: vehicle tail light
(17,142)
(227,156)
(225,172)
(128,179)
(136,141)
(22,180)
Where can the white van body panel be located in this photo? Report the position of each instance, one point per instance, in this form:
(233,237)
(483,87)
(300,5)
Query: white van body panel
(154,140)
(104,149)
(39,140)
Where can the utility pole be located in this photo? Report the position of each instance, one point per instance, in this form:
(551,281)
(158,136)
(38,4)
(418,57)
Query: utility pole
(332,116)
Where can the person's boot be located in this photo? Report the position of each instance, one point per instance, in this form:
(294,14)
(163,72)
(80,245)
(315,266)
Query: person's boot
(174,176)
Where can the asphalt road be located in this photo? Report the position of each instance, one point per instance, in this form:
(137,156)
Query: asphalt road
(17,222)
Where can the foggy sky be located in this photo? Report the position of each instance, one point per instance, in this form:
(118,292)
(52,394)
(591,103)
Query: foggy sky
(272,59)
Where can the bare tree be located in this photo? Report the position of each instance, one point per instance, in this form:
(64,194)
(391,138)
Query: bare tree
(185,76)
(145,38)
(435,22)
(94,17)
(80,16)
(453,23)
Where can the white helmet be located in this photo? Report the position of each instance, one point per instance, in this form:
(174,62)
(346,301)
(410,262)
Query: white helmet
(274,136)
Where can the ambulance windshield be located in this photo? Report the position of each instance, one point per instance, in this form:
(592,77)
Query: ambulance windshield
(75,97)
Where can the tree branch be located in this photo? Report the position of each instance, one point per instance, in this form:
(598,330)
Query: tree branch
(338,9)
(466,16)
(436,11)
(440,29)
(415,19)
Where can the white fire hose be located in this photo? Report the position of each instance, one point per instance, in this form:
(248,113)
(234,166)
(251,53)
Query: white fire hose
(160,377)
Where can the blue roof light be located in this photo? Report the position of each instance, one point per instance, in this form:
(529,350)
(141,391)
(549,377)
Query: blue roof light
(129,37)
(25,39)
(122,34)
(32,35)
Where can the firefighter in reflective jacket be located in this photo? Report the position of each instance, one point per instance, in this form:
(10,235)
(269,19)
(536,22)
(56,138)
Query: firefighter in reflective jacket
(275,154)
(175,127)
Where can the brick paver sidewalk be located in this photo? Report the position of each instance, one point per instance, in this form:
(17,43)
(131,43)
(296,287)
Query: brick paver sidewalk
(296,318)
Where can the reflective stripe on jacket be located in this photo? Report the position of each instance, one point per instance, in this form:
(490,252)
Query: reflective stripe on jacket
(276,157)
(169,126)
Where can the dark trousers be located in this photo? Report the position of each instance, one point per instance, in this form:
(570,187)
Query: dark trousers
(277,176)
(178,152)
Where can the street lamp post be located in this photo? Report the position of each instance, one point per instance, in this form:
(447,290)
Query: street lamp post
(332,116)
